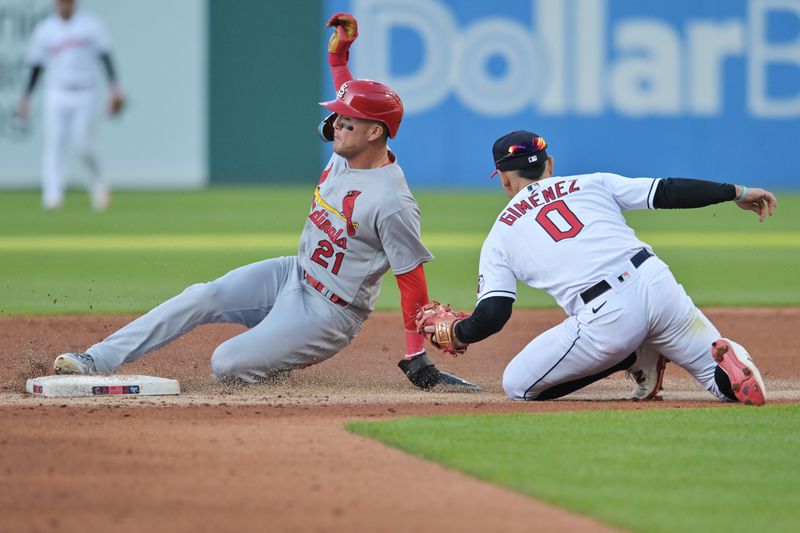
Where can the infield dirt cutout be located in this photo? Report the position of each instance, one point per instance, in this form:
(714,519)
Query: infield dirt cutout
(276,458)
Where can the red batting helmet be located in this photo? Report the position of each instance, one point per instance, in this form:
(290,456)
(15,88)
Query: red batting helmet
(368,99)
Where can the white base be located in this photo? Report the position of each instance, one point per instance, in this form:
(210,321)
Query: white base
(102,386)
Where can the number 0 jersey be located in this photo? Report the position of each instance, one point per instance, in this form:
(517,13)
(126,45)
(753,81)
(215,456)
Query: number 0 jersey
(563,235)
(362,222)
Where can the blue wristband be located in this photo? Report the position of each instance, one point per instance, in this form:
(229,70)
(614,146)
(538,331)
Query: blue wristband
(741,196)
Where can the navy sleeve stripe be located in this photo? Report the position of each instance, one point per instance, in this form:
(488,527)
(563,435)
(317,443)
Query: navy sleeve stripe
(650,195)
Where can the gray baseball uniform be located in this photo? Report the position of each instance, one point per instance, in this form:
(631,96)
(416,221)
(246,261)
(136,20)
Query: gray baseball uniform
(299,310)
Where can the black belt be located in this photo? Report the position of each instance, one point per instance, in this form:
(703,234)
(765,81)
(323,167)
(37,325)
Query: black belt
(603,286)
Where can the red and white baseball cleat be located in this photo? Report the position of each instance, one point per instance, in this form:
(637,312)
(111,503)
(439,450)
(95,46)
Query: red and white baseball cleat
(745,378)
(648,373)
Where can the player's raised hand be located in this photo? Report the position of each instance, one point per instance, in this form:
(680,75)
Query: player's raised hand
(760,201)
(345,31)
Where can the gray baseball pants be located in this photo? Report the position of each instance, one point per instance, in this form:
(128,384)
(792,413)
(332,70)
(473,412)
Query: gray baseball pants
(291,325)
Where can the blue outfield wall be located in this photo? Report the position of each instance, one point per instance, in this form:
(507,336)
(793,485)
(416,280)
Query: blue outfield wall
(692,88)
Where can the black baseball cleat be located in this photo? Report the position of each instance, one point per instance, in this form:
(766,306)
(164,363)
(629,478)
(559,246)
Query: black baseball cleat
(421,371)
(454,383)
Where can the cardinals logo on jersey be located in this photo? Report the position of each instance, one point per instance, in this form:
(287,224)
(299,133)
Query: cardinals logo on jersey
(348,204)
(346,213)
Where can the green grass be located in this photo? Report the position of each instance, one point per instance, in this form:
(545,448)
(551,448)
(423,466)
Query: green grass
(720,469)
(151,245)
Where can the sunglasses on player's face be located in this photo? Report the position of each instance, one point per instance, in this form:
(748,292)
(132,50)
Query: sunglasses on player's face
(516,150)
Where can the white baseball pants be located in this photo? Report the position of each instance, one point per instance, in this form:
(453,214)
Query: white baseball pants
(69,119)
(648,310)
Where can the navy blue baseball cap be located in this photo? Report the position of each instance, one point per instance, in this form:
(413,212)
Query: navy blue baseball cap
(518,150)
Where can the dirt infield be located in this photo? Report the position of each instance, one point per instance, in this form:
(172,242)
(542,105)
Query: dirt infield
(275,458)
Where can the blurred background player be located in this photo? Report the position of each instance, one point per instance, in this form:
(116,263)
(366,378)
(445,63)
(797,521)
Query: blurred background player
(68,45)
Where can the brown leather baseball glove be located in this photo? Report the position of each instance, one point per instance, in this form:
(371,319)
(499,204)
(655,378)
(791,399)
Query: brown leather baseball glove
(437,321)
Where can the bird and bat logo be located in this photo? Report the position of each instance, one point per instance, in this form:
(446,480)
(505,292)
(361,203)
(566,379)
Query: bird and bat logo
(320,217)
(346,213)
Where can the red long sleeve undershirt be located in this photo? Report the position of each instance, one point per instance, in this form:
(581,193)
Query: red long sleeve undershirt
(339,69)
(413,295)
(413,286)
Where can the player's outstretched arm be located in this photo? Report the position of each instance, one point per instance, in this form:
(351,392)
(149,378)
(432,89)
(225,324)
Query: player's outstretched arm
(417,366)
(757,200)
(453,331)
(413,295)
(345,32)
(685,193)
(488,318)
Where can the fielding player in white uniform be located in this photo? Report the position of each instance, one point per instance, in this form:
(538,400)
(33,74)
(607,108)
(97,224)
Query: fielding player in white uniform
(567,236)
(303,309)
(69,45)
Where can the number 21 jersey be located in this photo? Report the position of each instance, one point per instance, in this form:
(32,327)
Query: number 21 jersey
(362,222)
